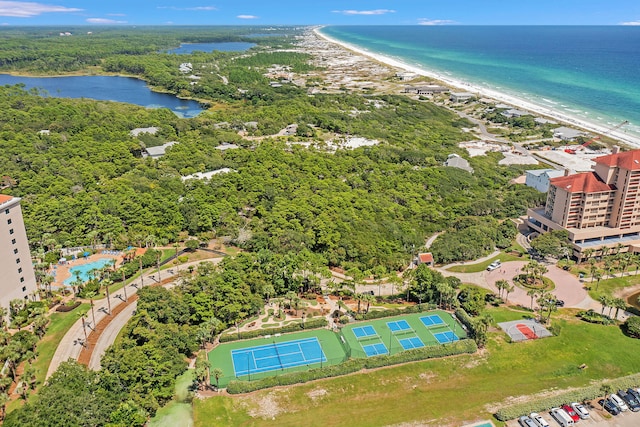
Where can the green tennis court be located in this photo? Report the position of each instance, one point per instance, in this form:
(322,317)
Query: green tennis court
(244,359)
(391,335)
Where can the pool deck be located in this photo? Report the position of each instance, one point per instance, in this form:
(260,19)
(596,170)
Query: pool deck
(62,270)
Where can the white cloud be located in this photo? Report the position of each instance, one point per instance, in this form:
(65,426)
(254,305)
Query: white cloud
(426,21)
(19,9)
(247,17)
(196,8)
(116,14)
(364,12)
(104,21)
(631,23)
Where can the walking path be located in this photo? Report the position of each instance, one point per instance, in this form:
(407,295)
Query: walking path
(73,342)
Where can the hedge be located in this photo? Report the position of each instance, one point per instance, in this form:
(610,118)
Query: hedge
(377,314)
(580,395)
(293,327)
(354,365)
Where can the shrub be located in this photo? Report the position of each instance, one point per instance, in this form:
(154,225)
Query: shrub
(377,314)
(354,365)
(582,394)
(292,327)
(632,326)
(593,316)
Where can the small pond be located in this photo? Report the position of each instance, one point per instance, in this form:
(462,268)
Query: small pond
(210,47)
(107,88)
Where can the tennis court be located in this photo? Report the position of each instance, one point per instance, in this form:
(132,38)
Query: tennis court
(276,356)
(432,320)
(402,333)
(411,343)
(398,326)
(445,337)
(364,332)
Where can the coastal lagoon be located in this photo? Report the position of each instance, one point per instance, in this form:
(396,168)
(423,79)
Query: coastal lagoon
(586,73)
(106,88)
(210,47)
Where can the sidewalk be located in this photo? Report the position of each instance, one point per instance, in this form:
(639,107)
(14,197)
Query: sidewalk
(72,343)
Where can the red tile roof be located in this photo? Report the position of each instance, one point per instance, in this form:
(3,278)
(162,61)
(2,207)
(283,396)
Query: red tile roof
(629,160)
(581,183)
(425,258)
(4,198)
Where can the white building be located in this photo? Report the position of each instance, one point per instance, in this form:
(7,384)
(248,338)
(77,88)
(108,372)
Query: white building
(17,279)
(455,161)
(159,151)
(567,134)
(539,178)
(461,96)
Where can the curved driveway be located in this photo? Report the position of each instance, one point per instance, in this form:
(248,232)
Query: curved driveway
(568,287)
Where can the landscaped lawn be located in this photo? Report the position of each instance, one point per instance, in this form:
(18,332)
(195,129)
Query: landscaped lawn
(58,327)
(452,390)
(609,286)
(481,266)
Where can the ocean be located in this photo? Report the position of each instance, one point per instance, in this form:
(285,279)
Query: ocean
(591,73)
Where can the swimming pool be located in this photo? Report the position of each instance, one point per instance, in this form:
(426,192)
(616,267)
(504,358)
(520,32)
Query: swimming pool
(83,270)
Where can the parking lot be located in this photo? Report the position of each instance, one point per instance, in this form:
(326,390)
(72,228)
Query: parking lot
(598,419)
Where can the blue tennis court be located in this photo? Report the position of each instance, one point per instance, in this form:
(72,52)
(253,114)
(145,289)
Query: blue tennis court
(410,343)
(432,320)
(375,349)
(445,337)
(398,326)
(364,331)
(274,356)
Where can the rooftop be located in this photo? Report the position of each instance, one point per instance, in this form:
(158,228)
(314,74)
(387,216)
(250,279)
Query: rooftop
(629,160)
(582,183)
(4,198)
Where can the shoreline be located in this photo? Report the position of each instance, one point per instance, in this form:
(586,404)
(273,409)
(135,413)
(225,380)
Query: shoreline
(518,103)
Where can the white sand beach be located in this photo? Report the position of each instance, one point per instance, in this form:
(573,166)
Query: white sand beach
(488,93)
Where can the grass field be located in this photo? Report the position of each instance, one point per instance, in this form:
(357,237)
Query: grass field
(58,327)
(449,391)
(390,340)
(176,413)
(481,266)
(220,357)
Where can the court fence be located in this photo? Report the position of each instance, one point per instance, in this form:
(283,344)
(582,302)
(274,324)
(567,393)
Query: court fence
(378,314)
(293,327)
(350,365)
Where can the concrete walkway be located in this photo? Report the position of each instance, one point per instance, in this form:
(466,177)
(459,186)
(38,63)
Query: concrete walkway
(72,343)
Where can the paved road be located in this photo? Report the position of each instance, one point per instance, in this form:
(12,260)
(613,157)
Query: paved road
(71,344)
(110,334)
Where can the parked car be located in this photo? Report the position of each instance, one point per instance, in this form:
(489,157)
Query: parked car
(580,410)
(630,400)
(569,410)
(494,265)
(559,303)
(537,418)
(525,421)
(635,393)
(619,402)
(561,416)
(609,406)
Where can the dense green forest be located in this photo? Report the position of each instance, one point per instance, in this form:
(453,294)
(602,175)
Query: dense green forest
(86,181)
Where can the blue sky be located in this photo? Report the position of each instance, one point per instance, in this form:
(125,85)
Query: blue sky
(347,12)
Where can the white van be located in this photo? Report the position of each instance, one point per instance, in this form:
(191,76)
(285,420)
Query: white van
(561,416)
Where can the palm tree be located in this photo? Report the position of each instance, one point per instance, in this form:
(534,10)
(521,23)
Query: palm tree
(4,399)
(532,293)
(619,303)
(592,267)
(368,298)
(604,301)
(501,285)
(598,276)
(606,389)
(359,297)
(588,253)
(508,290)
(217,374)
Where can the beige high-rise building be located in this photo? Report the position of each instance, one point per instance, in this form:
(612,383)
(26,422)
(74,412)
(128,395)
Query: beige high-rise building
(17,279)
(599,209)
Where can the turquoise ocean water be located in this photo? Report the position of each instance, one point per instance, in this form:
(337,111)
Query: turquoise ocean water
(591,73)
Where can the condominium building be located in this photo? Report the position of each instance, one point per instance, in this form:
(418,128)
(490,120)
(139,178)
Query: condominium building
(17,279)
(599,209)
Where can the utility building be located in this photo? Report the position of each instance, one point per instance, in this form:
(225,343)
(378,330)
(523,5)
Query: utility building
(17,279)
